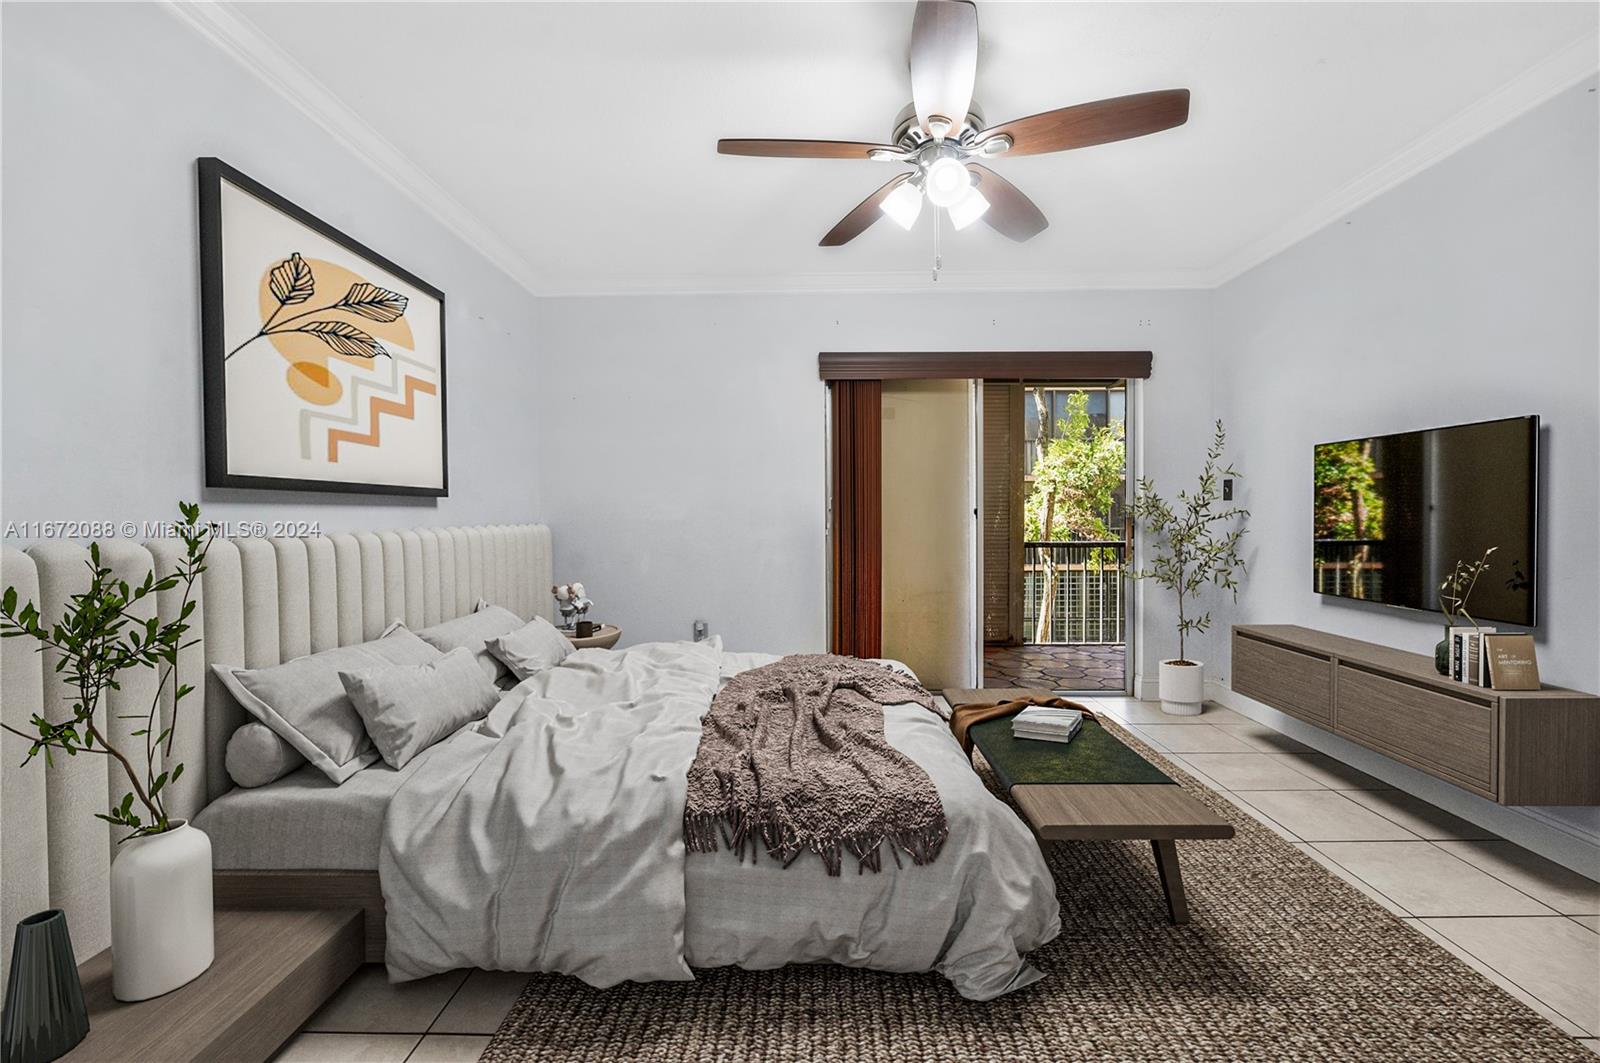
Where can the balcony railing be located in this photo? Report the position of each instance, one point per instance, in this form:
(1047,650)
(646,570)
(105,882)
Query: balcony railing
(1349,567)
(1085,583)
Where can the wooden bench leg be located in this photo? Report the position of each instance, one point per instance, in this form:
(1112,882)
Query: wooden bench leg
(1171,879)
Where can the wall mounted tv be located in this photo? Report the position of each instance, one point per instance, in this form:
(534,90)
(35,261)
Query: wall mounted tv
(1393,514)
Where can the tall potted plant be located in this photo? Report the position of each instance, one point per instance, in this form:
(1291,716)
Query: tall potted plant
(1192,544)
(161,926)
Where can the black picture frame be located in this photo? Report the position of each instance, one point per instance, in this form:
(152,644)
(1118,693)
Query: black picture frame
(213,172)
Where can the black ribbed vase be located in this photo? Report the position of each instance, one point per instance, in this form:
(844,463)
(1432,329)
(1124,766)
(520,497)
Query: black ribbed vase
(44,1016)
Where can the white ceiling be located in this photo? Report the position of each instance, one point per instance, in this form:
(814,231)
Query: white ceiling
(582,136)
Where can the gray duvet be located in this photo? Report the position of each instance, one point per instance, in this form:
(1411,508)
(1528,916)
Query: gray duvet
(549,837)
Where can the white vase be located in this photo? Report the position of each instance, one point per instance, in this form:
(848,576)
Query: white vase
(1183,688)
(161,934)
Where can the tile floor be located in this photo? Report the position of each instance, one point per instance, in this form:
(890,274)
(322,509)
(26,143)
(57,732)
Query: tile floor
(1530,926)
(1055,667)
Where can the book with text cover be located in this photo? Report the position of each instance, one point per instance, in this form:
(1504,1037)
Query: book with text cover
(1513,665)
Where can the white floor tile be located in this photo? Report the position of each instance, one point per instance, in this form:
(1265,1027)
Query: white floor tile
(1252,771)
(1324,816)
(1333,774)
(1427,881)
(1340,873)
(1263,739)
(1565,891)
(1559,1021)
(369,1003)
(1180,738)
(347,1048)
(481,1002)
(1150,712)
(449,1048)
(1591,1043)
(1416,815)
(1555,960)
(1590,921)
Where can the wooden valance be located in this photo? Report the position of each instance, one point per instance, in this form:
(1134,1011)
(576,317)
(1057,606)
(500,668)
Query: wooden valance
(984,365)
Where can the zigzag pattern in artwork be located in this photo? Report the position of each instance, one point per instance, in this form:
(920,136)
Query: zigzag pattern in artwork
(380,406)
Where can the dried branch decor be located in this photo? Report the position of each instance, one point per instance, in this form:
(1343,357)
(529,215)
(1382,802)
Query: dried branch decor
(98,639)
(1191,544)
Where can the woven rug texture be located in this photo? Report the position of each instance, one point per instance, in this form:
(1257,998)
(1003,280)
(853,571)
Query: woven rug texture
(1282,961)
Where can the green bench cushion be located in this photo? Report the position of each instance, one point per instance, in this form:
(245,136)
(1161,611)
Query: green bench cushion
(1094,755)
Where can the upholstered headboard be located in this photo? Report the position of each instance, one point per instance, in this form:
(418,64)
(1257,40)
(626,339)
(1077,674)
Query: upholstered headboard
(261,602)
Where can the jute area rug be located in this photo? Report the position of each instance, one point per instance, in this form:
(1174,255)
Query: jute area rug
(1283,961)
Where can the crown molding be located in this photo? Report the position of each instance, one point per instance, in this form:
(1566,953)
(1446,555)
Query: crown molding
(260,55)
(1554,75)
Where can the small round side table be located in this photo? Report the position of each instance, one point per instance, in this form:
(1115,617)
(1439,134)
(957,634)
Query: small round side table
(605,636)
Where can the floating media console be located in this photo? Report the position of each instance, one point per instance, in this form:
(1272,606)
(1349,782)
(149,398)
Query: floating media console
(1517,747)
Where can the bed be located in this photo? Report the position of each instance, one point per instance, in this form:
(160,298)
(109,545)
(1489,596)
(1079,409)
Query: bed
(972,914)
(304,842)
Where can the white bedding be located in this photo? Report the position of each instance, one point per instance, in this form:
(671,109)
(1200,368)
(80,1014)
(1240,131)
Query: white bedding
(549,838)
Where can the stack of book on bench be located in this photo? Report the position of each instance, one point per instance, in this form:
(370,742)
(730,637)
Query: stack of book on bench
(1046,723)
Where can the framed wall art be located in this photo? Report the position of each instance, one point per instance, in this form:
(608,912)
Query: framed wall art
(323,360)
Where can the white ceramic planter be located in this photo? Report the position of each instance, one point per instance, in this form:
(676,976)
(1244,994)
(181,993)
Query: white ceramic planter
(1183,688)
(161,933)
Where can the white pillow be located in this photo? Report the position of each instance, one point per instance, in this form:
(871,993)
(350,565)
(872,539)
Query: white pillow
(532,648)
(408,708)
(474,632)
(304,702)
(257,756)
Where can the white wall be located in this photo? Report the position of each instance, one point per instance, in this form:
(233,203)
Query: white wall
(928,540)
(685,435)
(106,108)
(1467,293)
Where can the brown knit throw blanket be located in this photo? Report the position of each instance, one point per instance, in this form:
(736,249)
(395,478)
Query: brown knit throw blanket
(792,759)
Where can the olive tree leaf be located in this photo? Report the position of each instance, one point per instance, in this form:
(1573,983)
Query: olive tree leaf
(344,338)
(291,280)
(373,302)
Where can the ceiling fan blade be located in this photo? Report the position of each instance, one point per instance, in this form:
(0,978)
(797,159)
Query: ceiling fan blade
(865,213)
(1010,213)
(944,62)
(1088,124)
(802,149)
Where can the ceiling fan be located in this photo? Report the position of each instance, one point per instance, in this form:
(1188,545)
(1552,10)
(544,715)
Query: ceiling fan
(941,134)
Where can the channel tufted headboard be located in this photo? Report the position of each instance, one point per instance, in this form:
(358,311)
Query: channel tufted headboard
(261,602)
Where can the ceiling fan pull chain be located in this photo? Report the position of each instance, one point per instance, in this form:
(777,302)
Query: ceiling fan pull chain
(938,258)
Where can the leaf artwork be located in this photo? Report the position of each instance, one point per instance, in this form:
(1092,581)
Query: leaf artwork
(291,280)
(372,302)
(344,338)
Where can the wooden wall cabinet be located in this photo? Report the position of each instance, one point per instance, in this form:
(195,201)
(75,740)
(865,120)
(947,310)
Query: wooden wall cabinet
(1516,747)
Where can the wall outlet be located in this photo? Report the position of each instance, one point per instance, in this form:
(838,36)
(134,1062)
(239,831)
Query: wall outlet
(702,630)
(1227,489)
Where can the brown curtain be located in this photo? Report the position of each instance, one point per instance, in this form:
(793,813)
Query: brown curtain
(857,628)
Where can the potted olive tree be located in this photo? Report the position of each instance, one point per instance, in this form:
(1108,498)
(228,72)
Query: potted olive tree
(1191,544)
(161,924)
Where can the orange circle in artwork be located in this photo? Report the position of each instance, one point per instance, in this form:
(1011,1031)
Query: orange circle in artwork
(314,382)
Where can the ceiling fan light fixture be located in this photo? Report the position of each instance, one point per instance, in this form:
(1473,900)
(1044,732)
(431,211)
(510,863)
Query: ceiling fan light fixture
(903,205)
(947,181)
(968,209)
(939,126)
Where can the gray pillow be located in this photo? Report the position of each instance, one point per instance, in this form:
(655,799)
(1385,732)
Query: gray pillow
(256,756)
(304,702)
(410,707)
(473,632)
(531,648)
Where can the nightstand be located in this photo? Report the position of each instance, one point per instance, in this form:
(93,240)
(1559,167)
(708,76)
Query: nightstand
(605,636)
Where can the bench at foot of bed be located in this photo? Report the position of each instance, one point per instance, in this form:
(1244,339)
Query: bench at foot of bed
(1094,788)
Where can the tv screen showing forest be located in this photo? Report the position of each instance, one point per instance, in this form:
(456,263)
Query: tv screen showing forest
(1394,513)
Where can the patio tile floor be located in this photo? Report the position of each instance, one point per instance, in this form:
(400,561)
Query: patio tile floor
(1065,667)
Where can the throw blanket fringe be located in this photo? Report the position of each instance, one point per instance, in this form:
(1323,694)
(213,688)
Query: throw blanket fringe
(793,759)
